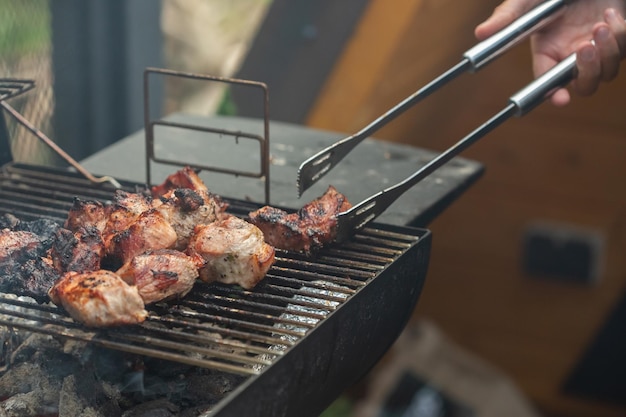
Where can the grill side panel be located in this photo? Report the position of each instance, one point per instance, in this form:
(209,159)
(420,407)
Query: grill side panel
(335,355)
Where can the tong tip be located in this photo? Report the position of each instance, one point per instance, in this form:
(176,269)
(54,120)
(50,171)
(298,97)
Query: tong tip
(312,170)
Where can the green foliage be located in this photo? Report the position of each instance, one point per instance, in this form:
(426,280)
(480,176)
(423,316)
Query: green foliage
(24,27)
(342,407)
(227,106)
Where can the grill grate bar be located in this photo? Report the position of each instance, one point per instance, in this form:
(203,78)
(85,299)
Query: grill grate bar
(307,293)
(241,314)
(236,334)
(316,285)
(215,354)
(308,276)
(235,323)
(249,304)
(220,342)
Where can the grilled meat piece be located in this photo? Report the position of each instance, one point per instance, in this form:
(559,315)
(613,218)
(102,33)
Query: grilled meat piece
(160,275)
(24,266)
(16,244)
(98,299)
(183,178)
(86,213)
(309,228)
(231,251)
(81,251)
(124,210)
(150,231)
(32,278)
(184,208)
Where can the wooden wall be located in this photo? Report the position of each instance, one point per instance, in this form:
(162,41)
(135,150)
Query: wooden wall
(558,165)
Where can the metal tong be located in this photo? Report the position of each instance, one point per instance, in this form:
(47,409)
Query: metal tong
(475,58)
(522,102)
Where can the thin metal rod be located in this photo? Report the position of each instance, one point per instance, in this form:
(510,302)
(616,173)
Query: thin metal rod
(46,140)
(318,165)
(414,98)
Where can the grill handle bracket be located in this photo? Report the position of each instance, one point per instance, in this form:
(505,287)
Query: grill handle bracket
(150,124)
(10,88)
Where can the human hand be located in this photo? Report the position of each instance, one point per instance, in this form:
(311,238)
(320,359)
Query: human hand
(583,21)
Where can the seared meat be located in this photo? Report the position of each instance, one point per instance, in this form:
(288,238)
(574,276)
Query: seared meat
(24,267)
(160,275)
(309,228)
(124,210)
(98,299)
(16,244)
(231,251)
(150,231)
(184,178)
(184,208)
(81,251)
(85,213)
(32,278)
(136,203)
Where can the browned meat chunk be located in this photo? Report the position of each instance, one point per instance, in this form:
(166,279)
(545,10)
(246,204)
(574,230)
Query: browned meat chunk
(125,209)
(150,231)
(81,251)
(98,299)
(184,209)
(14,244)
(24,267)
(160,275)
(184,178)
(309,228)
(231,251)
(86,214)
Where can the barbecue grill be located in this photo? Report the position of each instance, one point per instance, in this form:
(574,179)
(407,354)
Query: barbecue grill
(309,330)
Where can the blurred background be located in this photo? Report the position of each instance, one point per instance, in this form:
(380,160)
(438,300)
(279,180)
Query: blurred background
(528,269)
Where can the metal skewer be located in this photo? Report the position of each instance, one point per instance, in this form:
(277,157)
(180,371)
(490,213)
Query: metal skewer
(315,167)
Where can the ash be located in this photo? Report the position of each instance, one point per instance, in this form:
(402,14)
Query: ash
(41,375)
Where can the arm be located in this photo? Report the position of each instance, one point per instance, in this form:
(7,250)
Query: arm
(584,20)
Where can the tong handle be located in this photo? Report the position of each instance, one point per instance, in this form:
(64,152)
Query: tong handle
(519,104)
(494,46)
(318,165)
(543,86)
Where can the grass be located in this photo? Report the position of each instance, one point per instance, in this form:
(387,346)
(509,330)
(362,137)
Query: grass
(24,27)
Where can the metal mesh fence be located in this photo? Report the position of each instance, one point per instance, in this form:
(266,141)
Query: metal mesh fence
(25,52)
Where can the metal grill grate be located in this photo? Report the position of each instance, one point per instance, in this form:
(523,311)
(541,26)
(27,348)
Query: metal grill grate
(216,326)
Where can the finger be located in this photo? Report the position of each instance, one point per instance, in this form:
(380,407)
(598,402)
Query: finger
(589,69)
(541,64)
(542,61)
(561,97)
(618,29)
(608,51)
(502,16)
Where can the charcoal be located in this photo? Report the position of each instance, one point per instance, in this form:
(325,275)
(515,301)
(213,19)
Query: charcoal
(156,408)
(29,389)
(84,395)
(207,387)
(8,221)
